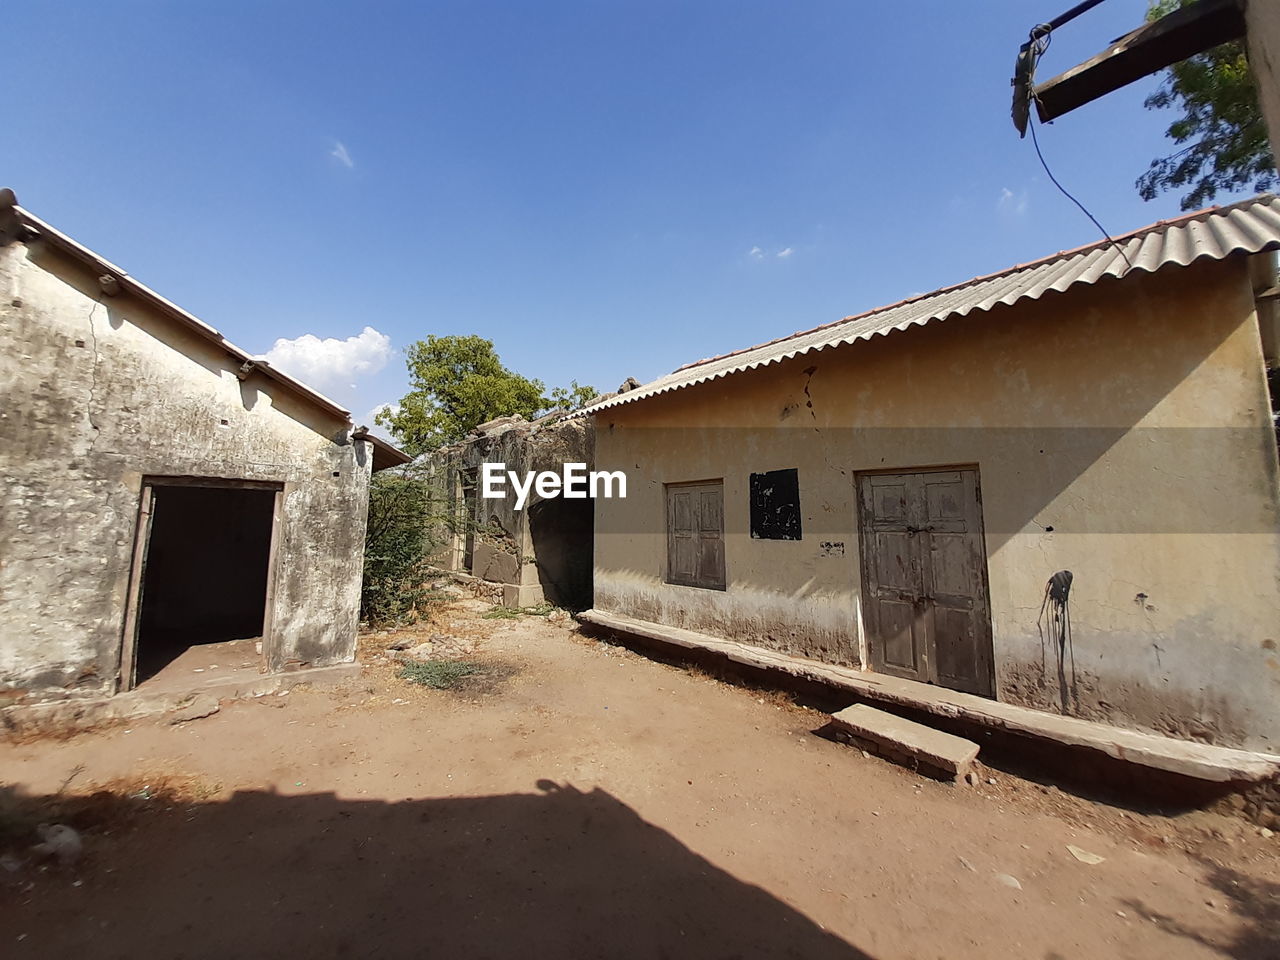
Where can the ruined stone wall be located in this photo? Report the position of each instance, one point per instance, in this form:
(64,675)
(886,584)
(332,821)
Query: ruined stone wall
(541,551)
(97,393)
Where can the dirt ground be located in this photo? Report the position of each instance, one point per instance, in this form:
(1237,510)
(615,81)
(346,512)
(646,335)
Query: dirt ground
(586,801)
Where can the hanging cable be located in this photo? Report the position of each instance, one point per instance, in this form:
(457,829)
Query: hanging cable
(1083,209)
(1024,82)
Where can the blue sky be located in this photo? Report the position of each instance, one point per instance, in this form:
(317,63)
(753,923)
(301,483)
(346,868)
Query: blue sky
(605,189)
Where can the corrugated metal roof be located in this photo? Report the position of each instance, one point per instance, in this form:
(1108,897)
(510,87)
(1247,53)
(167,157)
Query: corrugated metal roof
(1250,226)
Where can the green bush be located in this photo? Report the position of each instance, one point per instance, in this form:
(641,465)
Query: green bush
(397,546)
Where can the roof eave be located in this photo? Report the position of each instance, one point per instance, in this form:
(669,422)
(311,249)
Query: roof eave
(142,292)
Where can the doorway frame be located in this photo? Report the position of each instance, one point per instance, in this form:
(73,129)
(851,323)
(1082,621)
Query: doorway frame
(126,673)
(863,627)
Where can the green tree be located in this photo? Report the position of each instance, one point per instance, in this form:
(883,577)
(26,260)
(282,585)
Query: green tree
(1221,123)
(572,397)
(457,383)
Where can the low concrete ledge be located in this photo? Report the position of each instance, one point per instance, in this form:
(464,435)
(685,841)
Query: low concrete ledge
(72,715)
(905,741)
(1198,760)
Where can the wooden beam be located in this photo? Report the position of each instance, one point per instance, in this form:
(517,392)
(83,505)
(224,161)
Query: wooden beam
(1139,53)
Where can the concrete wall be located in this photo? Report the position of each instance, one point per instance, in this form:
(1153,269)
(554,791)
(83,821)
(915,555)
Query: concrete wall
(1121,431)
(541,552)
(98,392)
(1262,26)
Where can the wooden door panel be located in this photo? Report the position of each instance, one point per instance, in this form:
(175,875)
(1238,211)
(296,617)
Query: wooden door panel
(711,508)
(944,502)
(924,573)
(956,649)
(711,562)
(951,565)
(895,566)
(891,576)
(683,558)
(896,630)
(889,501)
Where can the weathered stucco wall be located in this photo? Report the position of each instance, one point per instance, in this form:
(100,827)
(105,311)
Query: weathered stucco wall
(1121,432)
(539,552)
(99,392)
(1262,26)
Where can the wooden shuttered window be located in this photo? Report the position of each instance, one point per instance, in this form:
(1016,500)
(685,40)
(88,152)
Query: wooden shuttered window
(695,534)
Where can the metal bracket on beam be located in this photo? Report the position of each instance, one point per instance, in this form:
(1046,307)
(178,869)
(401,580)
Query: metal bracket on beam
(1187,31)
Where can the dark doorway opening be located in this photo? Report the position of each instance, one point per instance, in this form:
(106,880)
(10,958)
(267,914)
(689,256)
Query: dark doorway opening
(562,533)
(208,553)
(468,517)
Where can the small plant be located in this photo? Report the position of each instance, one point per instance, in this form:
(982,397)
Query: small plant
(543,609)
(439,674)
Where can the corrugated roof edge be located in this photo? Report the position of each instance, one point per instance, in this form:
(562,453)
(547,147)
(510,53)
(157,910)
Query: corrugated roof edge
(172,310)
(657,387)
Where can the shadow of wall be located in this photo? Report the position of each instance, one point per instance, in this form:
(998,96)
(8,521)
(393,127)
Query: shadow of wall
(561,873)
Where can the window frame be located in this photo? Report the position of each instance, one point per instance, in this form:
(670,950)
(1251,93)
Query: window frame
(719,579)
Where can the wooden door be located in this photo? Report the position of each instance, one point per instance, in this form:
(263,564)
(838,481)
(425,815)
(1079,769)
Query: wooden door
(924,577)
(128,676)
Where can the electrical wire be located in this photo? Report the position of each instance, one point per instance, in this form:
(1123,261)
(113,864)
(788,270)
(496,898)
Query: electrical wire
(1041,38)
(1083,209)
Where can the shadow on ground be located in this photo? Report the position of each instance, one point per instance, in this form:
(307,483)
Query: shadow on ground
(557,873)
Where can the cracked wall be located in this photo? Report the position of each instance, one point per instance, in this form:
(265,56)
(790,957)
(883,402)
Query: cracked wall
(99,392)
(1121,432)
(541,552)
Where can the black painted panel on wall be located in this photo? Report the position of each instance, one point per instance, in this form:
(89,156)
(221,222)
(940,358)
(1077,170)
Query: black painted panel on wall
(775,505)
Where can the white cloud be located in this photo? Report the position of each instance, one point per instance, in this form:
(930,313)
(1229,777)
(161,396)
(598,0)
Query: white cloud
(331,361)
(342,155)
(370,419)
(759,253)
(1012,203)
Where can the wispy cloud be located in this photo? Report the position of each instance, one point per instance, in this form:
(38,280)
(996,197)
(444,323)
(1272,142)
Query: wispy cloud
(331,362)
(342,154)
(1012,204)
(759,253)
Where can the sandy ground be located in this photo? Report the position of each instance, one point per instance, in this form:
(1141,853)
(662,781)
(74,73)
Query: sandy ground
(593,803)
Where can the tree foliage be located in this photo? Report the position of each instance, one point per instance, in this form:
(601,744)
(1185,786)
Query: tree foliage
(1227,147)
(458,383)
(572,397)
(402,516)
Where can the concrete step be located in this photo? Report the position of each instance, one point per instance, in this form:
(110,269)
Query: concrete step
(905,741)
